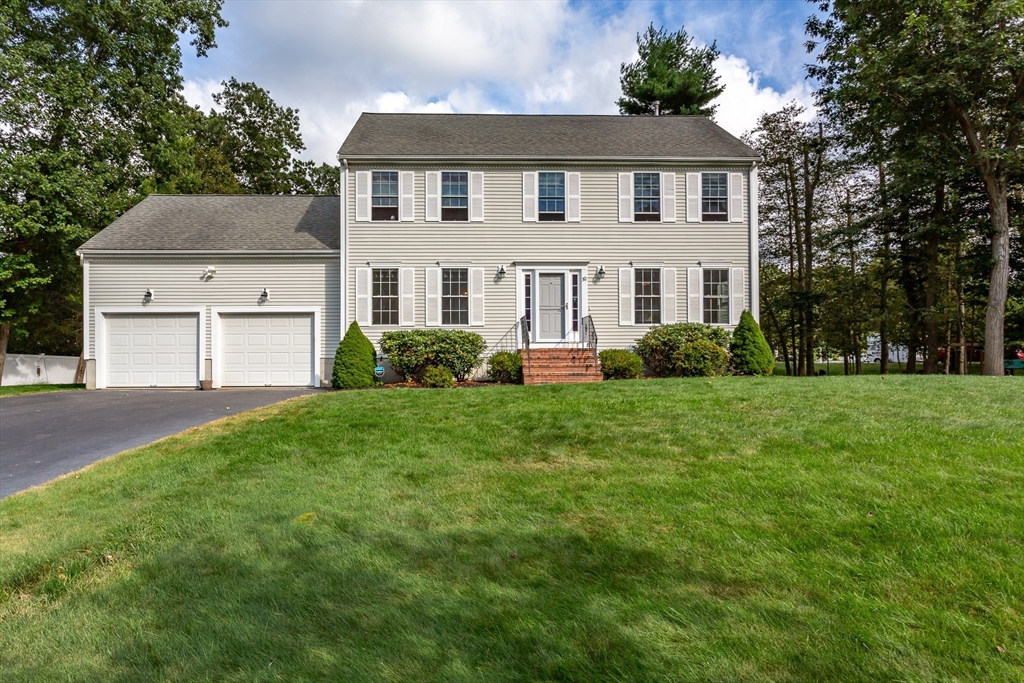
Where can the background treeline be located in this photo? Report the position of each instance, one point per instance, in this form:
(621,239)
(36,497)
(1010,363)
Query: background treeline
(896,212)
(92,119)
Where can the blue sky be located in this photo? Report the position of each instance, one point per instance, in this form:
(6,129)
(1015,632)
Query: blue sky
(335,59)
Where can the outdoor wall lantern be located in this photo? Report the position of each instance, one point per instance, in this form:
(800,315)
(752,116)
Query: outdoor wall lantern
(501,272)
(264,295)
(599,273)
(210,272)
(148,296)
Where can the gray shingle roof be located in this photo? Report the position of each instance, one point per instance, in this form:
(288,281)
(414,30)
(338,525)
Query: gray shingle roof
(225,222)
(534,137)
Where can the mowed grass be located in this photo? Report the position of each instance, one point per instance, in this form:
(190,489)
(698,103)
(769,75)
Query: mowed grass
(21,389)
(855,529)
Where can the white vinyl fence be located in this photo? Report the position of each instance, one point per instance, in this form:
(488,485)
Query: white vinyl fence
(23,368)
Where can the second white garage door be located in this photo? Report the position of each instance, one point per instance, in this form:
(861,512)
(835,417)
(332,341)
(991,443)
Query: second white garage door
(267,350)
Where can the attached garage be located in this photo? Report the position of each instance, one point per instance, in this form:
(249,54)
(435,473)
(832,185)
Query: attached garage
(267,349)
(151,349)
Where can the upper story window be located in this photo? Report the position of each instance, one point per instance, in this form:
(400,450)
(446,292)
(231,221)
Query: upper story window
(454,196)
(714,199)
(647,296)
(551,196)
(716,296)
(647,196)
(384,297)
(385,196)
(455,296)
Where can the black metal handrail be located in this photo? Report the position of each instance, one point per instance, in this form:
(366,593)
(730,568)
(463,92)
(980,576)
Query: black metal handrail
(588,336)
(524,327)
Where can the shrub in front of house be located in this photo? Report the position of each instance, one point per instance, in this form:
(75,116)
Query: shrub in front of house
(751,354)
(410,352)
(701,358)
(354,361)
(658,347)
(505,367)
(438,377)
(621,364)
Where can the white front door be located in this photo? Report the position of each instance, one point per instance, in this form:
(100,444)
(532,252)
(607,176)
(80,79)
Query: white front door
(262,349)
(551,306)
(152,350)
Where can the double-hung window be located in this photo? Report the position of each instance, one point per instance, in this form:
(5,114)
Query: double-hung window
(716,296)
(647,196)
(384,296)
(454,196)
(714,197)
(551,196)
(647,296)
(455,296)
(385,196)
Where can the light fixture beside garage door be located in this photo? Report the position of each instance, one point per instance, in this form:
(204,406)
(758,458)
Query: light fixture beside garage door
(264,296)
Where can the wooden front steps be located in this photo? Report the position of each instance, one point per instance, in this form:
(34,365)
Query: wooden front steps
(560,366)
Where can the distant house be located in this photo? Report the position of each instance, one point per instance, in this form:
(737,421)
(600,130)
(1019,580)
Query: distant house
(488,223)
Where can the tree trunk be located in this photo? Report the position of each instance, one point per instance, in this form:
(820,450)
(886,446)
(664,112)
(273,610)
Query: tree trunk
(999,279)
(80,369)
(5,334)
(883,327)
(931,302)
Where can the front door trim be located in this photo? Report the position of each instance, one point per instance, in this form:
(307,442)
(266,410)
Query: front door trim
(566,268)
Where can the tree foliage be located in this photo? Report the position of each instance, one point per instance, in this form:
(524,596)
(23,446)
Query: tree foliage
(354,361)
(671,71)
(751,354)
(943,83)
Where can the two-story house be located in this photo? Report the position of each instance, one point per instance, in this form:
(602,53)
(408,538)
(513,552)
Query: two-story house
(464,221)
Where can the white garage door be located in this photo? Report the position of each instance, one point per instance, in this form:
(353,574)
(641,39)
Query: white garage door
(267,350)
(152,350)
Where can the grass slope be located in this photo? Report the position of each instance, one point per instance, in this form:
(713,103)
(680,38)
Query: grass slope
(856,529)
(22,389)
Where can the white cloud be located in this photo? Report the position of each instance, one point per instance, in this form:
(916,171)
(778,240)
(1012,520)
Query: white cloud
(744,100)
(333,61)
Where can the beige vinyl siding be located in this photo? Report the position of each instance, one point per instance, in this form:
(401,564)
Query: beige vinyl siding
(504,239)
(300,281)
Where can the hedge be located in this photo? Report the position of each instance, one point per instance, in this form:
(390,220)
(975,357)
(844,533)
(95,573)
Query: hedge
(659,346)
(410,352)
(621,364)
(751,354)
(354,361)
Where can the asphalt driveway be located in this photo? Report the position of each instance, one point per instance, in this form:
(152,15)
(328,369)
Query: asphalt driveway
(43,436)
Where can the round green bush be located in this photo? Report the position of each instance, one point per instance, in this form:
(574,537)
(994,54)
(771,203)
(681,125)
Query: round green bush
(505,367)
(751,354)
(701,358)
(438,377)
(621,364)
(658,347)
(354,361)
(410,352)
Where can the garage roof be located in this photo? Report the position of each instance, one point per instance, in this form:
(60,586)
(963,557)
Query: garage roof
(225,223)
(540,137)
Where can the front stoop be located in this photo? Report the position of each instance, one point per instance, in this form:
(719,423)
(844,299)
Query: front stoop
(560,366)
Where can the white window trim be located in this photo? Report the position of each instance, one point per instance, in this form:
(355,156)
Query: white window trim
(661,195)
(377,265)
(704,268)
(661,281)
(440,197)
(369,195)
(565,181)
(101,313)
(215,333)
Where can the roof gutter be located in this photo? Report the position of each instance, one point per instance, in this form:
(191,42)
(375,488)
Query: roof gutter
(528,159)
(204,252)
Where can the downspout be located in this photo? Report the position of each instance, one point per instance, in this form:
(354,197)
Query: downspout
(755,284)
(344,246)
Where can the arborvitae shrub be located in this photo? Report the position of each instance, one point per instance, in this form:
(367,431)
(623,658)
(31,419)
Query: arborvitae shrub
(659,345)
(505,367)
(751,354)
(438,377)
(621,364)
(701,358)
(354,361)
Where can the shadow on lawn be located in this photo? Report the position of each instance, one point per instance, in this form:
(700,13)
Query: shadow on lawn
(328,602)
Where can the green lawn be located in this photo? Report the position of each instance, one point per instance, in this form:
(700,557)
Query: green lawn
(20,389)
(816,529)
